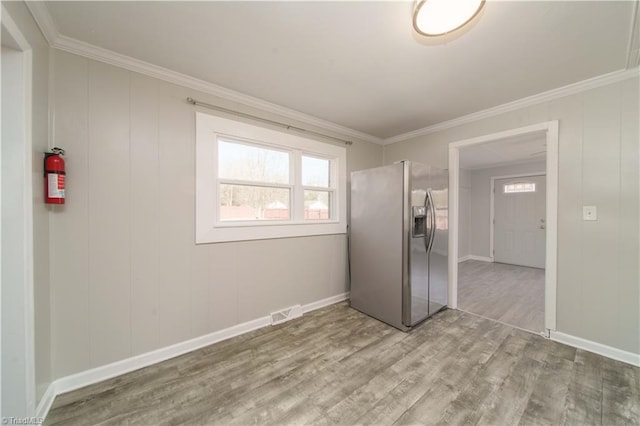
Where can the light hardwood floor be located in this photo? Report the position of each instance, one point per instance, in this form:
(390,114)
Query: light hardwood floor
(338,366)
(507,293)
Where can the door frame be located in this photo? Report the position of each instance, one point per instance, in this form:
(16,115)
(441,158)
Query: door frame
(492,207)
(550,130)
(25,48)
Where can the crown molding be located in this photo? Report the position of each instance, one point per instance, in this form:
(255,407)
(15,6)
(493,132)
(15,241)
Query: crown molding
(91,51)
(68,44)
(107,56)
(571,89)
(43,20)
(58,41)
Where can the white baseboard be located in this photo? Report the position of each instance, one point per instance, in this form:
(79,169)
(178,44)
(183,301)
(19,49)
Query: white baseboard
(324,302)
(474,257)
(596,348)
(104,372)
(46,401)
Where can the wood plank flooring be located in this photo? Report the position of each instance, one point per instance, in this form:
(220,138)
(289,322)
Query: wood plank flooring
(511,294)
(338,366)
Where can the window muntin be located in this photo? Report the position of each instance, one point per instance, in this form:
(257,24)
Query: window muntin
(220,214)
(519,187)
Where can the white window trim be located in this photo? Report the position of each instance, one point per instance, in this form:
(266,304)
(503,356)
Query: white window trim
(210,230)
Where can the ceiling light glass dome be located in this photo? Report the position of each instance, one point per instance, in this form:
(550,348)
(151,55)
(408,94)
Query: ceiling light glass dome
(439,17)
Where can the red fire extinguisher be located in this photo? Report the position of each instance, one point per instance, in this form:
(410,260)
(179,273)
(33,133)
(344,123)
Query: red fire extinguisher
(54,176)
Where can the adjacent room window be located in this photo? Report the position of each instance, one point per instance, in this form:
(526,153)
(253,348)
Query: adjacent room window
(514,188)
(256,183)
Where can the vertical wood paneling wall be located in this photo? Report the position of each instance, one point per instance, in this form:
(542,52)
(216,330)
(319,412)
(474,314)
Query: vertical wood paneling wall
(126,276)
(598,296)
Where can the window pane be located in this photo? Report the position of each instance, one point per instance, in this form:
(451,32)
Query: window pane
(315,171)
(252,163)
(514,188)
(317,204)
(243,202)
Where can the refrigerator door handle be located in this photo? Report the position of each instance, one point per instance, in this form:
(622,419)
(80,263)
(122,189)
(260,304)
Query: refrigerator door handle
(426,234)
(432,224)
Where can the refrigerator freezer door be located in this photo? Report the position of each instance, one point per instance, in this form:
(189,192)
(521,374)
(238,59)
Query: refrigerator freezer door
(438,256)
(377,220)
(417,296)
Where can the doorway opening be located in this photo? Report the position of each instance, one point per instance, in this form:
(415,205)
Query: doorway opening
(508,284)
(503,230)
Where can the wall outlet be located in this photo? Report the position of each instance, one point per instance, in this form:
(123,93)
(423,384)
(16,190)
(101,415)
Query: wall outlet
(589,213)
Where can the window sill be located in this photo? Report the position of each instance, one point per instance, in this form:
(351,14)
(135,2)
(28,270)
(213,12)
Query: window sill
(248,232)
(254,224)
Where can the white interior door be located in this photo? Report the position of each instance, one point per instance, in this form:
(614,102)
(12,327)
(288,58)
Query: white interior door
(520,222)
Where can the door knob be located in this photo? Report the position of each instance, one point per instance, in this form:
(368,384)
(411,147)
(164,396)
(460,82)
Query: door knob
(541,226)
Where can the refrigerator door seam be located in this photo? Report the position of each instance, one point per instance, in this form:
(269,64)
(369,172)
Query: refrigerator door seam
(406,242)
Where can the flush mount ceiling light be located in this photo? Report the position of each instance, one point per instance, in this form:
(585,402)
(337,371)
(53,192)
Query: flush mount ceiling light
(439,17)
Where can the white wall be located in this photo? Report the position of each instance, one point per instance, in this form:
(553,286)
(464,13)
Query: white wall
(464,215)
(40,137)
(598,276)
(126,275)
(480,219)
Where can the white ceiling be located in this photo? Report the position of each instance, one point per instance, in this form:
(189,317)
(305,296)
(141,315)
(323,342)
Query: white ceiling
(515,150)
(359,64)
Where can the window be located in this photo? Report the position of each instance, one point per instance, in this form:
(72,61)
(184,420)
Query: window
(318,193)
(253,182)
(514,188)
(256,183)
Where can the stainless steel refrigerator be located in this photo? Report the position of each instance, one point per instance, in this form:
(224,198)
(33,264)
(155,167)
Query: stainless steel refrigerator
(399,242)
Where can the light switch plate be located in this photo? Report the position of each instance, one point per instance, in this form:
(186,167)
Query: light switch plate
(589,213)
